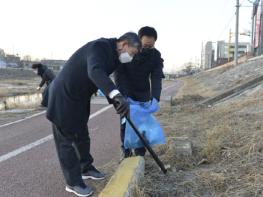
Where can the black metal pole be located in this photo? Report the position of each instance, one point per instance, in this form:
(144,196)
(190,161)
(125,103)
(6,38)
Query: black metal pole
(148,147)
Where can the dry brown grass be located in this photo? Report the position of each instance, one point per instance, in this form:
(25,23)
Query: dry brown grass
(227,138)
(17,81)
(192,86)
(12,87)
(3,92)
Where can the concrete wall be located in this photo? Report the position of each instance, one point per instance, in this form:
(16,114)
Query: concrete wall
(21,101)
(2,106)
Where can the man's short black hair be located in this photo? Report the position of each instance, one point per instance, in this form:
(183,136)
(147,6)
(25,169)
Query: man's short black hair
(35,66)
(147,31)
(132,38)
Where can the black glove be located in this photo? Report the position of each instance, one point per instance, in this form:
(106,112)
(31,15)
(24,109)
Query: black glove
(121,105)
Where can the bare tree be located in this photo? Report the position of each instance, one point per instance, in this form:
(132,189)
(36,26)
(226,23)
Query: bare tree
(27,58)
(188,67)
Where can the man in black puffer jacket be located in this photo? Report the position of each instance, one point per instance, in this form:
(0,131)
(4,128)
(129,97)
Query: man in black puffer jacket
(45,73)
(141,80)
(47,76)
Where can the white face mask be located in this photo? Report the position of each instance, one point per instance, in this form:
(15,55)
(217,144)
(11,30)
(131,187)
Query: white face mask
(125,57)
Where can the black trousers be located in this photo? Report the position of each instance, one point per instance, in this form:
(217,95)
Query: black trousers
(138,151)
(74,154)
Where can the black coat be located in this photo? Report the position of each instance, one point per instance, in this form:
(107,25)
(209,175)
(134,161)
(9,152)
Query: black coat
(46,74)
(86,71)
(142,78)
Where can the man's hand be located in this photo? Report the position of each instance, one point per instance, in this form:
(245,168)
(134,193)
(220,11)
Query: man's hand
(38,88)
(121,105)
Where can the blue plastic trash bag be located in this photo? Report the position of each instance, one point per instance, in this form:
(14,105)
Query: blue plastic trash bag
(100,93)
(148,126)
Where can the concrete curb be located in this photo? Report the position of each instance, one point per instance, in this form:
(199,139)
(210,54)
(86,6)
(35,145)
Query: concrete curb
(181,146)
(125,179)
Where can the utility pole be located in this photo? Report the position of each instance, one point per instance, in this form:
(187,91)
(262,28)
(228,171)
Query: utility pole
(252,36)
(229,43)
(202,54)
(237,24)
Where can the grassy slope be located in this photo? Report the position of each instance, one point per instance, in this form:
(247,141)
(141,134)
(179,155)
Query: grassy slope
(227,145)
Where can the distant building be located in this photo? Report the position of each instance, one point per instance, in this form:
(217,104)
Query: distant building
(202,63)
(12,61)
(227,50)
(2,54)
(209,55)
(27,63)
(2,64)
(54,64)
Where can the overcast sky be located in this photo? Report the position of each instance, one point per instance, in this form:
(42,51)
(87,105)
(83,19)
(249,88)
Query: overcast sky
(56,28)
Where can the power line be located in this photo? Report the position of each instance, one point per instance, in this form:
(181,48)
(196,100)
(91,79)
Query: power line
(226,3)
(248,6)
(230,21)
(227,26)
(240,5)
(242,2)
(237,31)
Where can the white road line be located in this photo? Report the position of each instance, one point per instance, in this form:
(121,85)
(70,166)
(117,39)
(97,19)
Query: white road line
(168,87)
(100,112)
(25,148)
(26,118)
(42,140)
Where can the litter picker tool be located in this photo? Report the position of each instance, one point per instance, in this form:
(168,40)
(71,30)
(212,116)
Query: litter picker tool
(147,146)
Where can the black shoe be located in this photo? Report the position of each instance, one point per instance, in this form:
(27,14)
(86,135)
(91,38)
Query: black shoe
(93,173)
(82,190)
(140,151)
(126,153)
